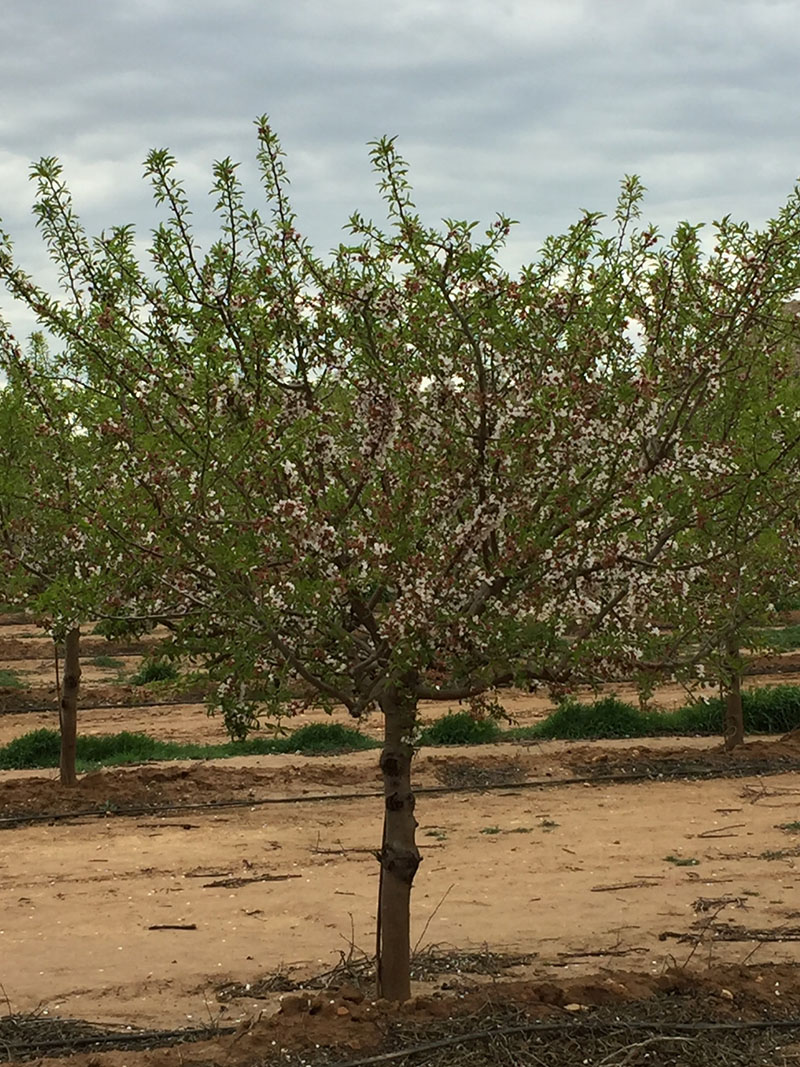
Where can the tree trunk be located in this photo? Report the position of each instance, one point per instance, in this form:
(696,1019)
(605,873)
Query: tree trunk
(734,714)
(68,710)
(399,855)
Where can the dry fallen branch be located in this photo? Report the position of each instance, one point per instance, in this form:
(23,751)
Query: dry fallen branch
(641,884)
(237,883)
(173,926)
(722,831)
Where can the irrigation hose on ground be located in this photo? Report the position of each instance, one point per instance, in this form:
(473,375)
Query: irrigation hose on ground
(668,775)
(568,1026)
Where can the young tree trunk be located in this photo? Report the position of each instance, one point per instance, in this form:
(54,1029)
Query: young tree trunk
(734,714)
(68,710)
(399,856)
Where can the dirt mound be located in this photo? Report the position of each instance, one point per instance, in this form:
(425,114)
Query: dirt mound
(118,695)
(616,1011)
(157,786)
(636,760)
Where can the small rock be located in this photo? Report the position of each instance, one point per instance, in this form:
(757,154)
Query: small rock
(615,987)
(351,994)
(294,1004)
(575,1007)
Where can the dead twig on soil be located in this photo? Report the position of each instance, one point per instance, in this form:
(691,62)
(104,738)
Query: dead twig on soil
(632,1051)
(707,903)
(722,831)
(431,917)
(600,953)
(237,883)
(754,794)
(641,884)
(173,926)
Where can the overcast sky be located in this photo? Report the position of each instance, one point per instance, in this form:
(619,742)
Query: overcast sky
(535,108)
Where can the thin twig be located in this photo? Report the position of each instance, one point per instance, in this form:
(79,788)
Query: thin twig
(431,918)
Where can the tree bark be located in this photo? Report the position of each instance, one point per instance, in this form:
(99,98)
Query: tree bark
(734,713)
(68,709)
(399,856)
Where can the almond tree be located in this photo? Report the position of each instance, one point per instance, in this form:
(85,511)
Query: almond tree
(41,541)
(741,552)
(401,473)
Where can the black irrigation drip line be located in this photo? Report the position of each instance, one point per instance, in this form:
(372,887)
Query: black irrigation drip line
(170,1037)
(120,1038)
(36,709)
(570,1028)
(691,774)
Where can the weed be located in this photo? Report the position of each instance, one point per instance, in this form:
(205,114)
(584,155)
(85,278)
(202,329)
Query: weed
(778,854)
(107,661)
(10,679)
(790,827)
(767,710)
(460,728)
(606,718)
(788,602)
(682,861)
(324,737)
(123,629)
(491,830)
(786,639)
(440,835)
(548,824)
(157,671)
(41,748)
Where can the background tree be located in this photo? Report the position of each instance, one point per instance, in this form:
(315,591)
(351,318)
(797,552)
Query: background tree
(42,558)
(401,474)
(741,554)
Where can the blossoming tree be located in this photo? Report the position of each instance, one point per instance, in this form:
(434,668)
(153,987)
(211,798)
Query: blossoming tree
(42,494)
(400,474)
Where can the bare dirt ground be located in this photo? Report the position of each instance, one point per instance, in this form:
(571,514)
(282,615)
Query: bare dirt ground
(595,891)
(575,875)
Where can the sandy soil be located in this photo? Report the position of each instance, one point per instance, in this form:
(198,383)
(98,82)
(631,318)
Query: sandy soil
(577,875)
(581,872)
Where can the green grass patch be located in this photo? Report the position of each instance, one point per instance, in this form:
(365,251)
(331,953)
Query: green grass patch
(10,679)
(786,639)
(778,854)
(682,861)
(319,737)
(769,710)
(107,661)
(41,748)
(154,672)
(460,728)
(604,719)
(789,602)
(789,827)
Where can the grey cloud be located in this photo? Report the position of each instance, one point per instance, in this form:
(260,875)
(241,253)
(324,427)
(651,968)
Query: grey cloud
(499,105)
